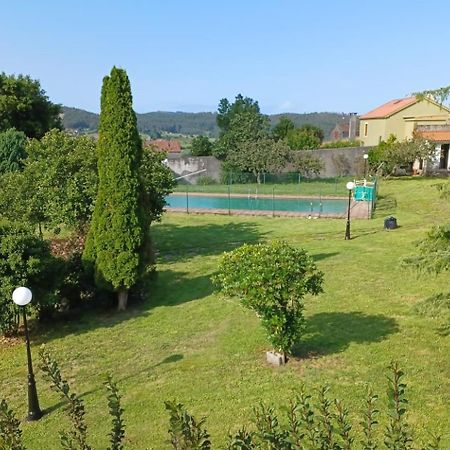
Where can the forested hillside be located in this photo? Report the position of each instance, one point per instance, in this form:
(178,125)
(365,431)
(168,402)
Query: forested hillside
(155,123)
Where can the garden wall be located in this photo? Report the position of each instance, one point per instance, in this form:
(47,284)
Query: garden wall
(336,162)
(185,165)
(341,161)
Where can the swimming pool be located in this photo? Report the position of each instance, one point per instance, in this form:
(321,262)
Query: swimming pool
(252,204)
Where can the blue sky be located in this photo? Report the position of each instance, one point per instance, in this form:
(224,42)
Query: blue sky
(290,55)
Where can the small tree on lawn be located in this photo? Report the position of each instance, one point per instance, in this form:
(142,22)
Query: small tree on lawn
(115,240)
(272,280)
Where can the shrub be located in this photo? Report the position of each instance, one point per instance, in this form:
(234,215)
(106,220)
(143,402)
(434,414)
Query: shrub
(437,305)
(25,260)
(10,432)
(205,180)
(310,422)
(341,144)
(272,279)
(77,438)
(185,432)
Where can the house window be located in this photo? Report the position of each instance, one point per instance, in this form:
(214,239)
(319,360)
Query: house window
(366,126)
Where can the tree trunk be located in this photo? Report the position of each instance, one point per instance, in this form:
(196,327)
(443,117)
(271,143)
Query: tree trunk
(122,296)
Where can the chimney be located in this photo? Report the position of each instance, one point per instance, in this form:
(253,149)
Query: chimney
(352,126)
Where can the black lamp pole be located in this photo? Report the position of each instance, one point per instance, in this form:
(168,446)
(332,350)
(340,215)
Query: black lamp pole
(347,228)
(365,168)
(34,411)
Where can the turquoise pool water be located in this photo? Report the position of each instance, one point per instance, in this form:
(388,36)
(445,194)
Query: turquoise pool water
(299,205)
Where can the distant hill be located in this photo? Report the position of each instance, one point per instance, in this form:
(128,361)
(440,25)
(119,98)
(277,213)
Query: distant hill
(79,119)
(324,120)
(155,123)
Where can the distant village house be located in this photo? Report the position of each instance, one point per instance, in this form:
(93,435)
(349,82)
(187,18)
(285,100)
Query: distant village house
(164,145)
(346,131)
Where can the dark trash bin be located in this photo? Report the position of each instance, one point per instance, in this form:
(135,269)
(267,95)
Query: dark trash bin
(390,223)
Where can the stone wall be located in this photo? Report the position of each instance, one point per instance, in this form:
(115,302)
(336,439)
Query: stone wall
(341,161)
(336,162)
(182,166)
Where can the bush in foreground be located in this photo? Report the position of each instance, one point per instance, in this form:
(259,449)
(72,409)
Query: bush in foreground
(309,422)
(272,280)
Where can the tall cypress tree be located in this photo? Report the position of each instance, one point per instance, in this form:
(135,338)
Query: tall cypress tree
(115,240)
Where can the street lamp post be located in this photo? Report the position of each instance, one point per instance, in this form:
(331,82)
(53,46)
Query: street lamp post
(350,185)
(366,157)
(21,297)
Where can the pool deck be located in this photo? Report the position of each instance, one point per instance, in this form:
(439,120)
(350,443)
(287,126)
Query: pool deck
(253,196)
(358,210)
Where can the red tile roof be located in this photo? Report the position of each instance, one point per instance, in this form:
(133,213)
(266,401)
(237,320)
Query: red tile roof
(165,145)
(435,135)
(389,108)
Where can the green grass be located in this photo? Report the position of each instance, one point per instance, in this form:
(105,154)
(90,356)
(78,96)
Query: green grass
(187,342)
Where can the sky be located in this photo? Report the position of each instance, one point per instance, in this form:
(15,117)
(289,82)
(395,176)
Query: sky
(185,55)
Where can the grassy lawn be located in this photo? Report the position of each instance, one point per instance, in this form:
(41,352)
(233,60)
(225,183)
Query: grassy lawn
(188,343)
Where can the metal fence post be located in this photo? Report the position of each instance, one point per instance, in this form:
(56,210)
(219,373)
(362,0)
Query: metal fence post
(273,201)
(187,198)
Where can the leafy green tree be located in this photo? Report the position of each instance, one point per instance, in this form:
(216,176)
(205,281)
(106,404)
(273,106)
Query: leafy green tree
(115,240)
(12,150)
(57,185)
(313,130)
(25,106)
(282,128)
(406,152)
(67,168)
(239,122)
(157,182)
(272,280)
(392,154)
(201,146)
(302,139)
(22,198)
(257,157)
(25,260)
(226,110)
(305,163)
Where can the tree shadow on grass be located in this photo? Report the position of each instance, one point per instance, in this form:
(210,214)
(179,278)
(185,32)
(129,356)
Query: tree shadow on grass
(174,288)
(169,288)
(179,242)
(320,256)
(333,332)
(176,357)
